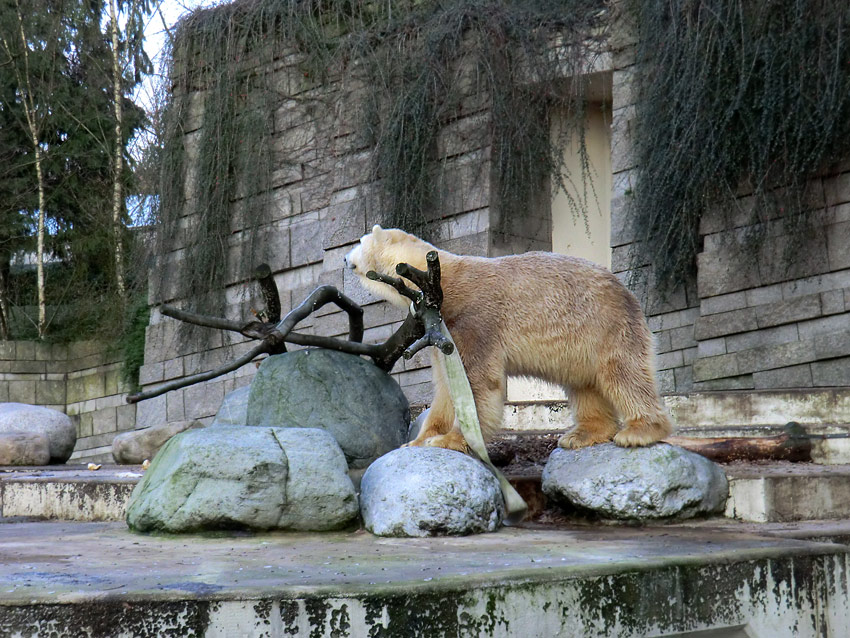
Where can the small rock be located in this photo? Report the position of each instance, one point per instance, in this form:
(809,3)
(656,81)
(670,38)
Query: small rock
(60,431)
(233,477)
(234,408)
(659,481)
(24,448)
(424,491)
(132,448)
(358,403)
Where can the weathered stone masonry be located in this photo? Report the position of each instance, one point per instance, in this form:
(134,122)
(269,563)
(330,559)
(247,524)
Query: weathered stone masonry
(751,320)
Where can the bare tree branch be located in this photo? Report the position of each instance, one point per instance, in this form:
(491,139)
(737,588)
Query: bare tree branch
(421,327)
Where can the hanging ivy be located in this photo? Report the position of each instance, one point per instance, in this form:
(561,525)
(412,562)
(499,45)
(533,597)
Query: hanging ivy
(735,97)
(421,62)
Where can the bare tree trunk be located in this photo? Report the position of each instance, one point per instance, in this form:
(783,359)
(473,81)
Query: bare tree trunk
(42,301)
(32,124)
(118,164)
(5,315)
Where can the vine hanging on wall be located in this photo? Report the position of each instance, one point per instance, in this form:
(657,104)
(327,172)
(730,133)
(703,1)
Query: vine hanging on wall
(421,61)
(734,96)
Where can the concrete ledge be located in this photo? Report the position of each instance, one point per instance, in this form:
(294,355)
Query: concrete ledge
(788,492)
(71,493)
(64,579)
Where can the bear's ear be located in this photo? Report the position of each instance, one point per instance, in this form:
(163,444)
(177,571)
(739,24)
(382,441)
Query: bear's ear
(377,231)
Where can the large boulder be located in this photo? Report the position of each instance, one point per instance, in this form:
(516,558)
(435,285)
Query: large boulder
(425,491)
(359,404)
(659,481)
(60,431)
(233,477)
(133,447)
(24,448)
(234,408)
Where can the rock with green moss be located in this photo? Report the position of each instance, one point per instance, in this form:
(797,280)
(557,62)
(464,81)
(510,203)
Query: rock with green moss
(659,481)
(233,477)
(426,491)
(359,404)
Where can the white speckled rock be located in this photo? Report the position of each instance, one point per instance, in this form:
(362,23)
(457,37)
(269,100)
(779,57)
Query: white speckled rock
(660,481)
(24,448)
(423,491)
(60,431)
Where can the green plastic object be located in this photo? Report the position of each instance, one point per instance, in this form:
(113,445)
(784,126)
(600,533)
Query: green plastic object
(467,418)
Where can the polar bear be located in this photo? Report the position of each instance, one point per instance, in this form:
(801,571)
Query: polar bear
(553,317)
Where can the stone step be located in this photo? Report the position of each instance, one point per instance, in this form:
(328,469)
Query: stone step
(68,579)
(830,440)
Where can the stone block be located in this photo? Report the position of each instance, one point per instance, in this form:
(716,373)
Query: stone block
(104,421)
(306,243)
(670,320)
(779,259)
(684,378)
(711,347)
(725,323)
(30,367)
(776,356)
(203,399)
(25,350)
(835,344)
(782,312)
(799,376)
(125,416)
(824,325)
(343,223)
(838,241)
(85,426)
(682,337)
(725,365)
(763,337)
(741,382)
(832,302)
(151,412)
(669,360)
(835,372)
(50,392)
(22,391)
(666,380)
(723,303)
(837,189)
(764,295)
(174,409)
(727,269)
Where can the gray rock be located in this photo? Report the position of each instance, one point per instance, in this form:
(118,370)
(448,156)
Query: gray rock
(659,481)
(233,477)
(359,404)
(423,491)
(24,448)
(234,408)
(60,431)
(132,448)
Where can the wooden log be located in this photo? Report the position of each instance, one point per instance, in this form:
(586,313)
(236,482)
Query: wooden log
(788,446)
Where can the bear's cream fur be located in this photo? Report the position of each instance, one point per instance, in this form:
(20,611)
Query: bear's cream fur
(558,318)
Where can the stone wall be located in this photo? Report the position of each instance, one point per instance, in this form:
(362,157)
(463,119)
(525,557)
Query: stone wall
(81,379)
(753,319)
(323,204)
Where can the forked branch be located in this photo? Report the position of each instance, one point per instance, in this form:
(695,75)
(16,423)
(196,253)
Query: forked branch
(421,328)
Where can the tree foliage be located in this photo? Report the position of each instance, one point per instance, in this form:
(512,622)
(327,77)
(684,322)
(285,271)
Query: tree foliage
(67,62)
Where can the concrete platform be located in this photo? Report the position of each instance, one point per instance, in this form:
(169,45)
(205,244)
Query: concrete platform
(97,579)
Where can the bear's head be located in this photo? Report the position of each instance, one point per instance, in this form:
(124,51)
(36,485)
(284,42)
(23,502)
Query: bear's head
(381,250)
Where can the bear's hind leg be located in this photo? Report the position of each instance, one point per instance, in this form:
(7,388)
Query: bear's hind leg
(634,395)
(594,418)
